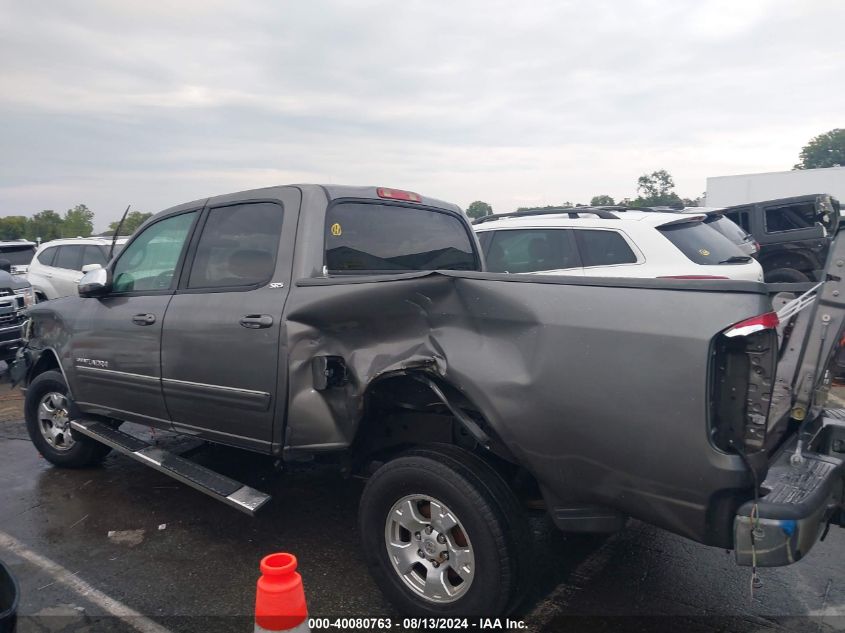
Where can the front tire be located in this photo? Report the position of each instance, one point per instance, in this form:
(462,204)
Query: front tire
(444,535)
(47,411)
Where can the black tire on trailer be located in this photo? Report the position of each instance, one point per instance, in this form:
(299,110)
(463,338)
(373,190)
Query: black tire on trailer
(47,410)
(443,511)
(786,276)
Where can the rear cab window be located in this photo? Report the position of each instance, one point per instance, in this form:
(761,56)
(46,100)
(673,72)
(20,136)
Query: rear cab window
(703,244)
(364,237)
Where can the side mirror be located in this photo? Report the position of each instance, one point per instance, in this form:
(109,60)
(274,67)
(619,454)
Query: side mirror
(95,283)
(87,268)
(6,265)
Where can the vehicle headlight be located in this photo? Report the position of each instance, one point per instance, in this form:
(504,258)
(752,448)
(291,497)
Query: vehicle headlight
(28,296)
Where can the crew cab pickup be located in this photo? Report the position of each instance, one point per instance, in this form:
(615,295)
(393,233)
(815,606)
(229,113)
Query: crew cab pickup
(357,326)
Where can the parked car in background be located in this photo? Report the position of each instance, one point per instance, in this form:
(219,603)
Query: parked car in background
(18,253)
(599,242)
(59,265)
(15,296)
(794,234)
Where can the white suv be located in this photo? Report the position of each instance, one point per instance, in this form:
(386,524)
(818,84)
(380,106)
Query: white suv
(58,265)
(597,242)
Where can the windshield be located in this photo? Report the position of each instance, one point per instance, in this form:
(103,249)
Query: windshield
(727,228)
(392,238)
(703,244)
(17,255)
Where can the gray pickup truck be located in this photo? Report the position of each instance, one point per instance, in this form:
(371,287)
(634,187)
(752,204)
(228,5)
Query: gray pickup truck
(357,326)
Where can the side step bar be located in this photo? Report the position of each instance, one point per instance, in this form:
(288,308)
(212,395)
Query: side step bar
(215,485)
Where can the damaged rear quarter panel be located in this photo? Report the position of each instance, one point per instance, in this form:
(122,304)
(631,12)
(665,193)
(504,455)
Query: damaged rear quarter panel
(598,387)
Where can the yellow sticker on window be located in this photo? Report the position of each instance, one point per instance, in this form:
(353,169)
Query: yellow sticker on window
(703,251)
(336,230)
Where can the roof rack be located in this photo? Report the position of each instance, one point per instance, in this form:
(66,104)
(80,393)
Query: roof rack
(573,212)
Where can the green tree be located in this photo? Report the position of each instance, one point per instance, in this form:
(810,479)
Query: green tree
(78,222)
(479,209)
(601,201)
(13,227)
(825,150)
(46,224)
(656,189)
(134,219)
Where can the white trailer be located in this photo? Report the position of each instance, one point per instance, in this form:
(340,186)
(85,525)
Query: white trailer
(725,191)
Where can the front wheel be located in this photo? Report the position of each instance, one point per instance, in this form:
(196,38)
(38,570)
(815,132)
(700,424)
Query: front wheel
(47,411)
(444,535)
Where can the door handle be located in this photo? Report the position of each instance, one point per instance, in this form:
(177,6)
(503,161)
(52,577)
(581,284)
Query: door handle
(144,319)
(256,321)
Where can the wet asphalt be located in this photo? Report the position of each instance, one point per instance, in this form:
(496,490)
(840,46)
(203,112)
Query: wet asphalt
(188,563)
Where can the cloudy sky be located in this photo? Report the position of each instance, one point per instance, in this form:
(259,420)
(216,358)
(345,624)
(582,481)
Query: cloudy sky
(156,103)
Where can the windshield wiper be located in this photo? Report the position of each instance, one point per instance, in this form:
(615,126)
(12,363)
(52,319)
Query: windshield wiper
(737,259)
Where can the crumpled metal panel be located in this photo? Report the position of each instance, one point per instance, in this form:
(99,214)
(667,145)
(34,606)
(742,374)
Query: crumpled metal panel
(601,391)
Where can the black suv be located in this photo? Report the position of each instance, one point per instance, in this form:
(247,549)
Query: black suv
(794,234)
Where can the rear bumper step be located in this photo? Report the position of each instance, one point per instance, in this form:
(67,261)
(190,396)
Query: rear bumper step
(800,498)
(222,488)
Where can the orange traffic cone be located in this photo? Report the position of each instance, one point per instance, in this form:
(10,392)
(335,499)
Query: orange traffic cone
(280,598)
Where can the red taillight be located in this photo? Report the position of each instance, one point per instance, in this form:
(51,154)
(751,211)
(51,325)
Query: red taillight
(768,321)
(692,277)
(398,194)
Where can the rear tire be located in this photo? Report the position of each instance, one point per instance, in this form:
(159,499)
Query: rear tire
(786,276)
(47,410)
(478,567)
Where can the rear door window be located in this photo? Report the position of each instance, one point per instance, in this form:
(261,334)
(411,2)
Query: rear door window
(69,257)
(791,217)
(530,250)
(703,244)
(364,237)
(238,246)
(603,248)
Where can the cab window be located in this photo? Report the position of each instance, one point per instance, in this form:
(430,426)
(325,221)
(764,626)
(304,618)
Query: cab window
(363,237)
(238,246)
(149,262)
